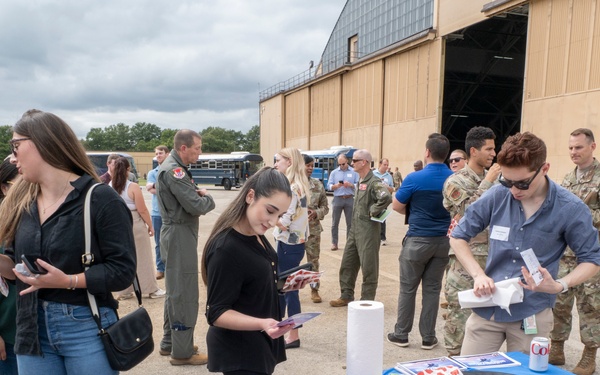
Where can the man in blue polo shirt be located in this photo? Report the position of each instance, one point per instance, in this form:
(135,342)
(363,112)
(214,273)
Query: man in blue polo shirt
(424,254)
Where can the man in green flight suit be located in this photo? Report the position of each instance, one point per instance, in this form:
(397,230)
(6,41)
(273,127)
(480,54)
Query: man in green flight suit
(180,204)
(362,249)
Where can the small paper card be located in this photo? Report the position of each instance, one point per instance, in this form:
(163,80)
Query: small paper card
(299,276)
(533,265)
(414,367)
(298,319)
(487,360)
(381,218)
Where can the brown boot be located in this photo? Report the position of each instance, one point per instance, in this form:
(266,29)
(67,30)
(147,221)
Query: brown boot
(195,360)
(587,364)
(340,302)
(557,353)
(315,297)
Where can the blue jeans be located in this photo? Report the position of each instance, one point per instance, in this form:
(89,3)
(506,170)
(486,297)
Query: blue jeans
(289,256)
(9,365)
(69,341)
(157,224)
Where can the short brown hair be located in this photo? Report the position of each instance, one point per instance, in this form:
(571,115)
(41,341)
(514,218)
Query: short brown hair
(523,150)
(185,137)
(589,135)
(162,148)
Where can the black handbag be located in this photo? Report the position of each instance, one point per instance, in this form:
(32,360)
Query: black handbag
(128,341)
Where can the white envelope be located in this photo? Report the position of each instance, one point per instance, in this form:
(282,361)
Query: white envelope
(507,292)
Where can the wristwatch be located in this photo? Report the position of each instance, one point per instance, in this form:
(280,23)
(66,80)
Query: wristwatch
(564,285)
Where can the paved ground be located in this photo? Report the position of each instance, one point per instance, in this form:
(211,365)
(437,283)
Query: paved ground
(323,349)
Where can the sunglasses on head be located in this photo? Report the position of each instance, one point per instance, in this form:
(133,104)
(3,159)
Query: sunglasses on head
(14,147)
(455,160)
(521,185)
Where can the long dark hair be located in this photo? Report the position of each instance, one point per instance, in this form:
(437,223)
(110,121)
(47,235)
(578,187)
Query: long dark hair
(119,180)
(8,172)
(265,183)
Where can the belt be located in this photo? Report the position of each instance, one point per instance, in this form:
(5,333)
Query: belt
(344,196)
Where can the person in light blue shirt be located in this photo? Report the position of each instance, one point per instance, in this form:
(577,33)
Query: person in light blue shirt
(342,181)
(388,180)
(526,211)
(161,152)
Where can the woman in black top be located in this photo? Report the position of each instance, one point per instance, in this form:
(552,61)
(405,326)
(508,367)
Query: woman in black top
(239,267)
(56,333)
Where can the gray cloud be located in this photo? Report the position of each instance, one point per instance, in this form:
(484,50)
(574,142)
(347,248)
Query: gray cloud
(199,63)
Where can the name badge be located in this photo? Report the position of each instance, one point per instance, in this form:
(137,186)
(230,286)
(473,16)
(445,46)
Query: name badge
(362,187)
(500,233)
(349,175)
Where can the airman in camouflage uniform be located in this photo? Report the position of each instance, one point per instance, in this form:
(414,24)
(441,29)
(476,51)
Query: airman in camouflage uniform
(362,249)
(317,209)
(583,181)
(461,189)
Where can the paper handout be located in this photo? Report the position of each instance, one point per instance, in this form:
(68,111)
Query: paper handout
(298,319)
(507,292)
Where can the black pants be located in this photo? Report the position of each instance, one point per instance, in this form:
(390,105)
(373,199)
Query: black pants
(244,372)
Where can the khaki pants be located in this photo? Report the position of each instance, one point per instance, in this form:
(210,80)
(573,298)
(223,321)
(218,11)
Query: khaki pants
(485,336)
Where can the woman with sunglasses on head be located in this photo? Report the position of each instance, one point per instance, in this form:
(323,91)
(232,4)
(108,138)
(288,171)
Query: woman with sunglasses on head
(292,229)
(239,267)
(457,160)
(8,307)
(56,333)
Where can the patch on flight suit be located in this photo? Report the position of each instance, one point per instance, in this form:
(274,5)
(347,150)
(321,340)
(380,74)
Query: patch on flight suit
(456,193)
(178,173)
(362,187)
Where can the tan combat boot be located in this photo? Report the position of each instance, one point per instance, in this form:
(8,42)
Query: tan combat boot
(557,353)
(314,296)
(587,364)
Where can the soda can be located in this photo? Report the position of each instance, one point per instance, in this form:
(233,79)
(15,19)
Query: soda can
(538,354)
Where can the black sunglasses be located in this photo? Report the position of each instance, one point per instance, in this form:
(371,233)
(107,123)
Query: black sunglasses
(521,185)
(455,160)
(13,147)
(356,160)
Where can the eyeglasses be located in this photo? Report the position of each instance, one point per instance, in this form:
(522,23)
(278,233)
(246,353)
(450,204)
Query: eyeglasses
(342,164)
(13,147)
(455,160)
(357,160)
(521,185)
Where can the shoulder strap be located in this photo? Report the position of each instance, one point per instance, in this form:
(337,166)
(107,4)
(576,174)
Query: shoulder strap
(87,257)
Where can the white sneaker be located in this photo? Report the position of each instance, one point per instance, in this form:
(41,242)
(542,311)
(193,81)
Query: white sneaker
(383,243)
(158,294)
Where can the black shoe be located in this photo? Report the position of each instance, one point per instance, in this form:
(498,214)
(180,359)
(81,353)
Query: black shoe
(292,345)
(428,345)
(403,343)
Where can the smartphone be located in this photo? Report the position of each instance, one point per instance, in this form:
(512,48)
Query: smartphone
(30,262)
(342,182)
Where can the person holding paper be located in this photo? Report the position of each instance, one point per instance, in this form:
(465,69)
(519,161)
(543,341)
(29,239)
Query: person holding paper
(461,189)
(291,232)
(526,211)
(239,268)
(424,254)
(388,182)
(362,249)
(584,182)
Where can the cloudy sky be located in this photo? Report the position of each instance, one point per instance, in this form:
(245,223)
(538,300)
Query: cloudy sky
(174,63)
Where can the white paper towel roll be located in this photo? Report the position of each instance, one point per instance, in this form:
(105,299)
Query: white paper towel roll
(364,351)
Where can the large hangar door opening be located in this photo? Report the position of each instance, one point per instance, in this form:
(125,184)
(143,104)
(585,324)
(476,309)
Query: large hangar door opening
(483,77)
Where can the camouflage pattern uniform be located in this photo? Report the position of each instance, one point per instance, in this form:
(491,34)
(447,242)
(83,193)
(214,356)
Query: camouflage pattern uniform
(317,203)
(587,294)
(397,176)
(460,190)
(362,249)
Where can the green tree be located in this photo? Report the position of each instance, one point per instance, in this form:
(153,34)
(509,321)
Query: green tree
(166,138)
(217,139)
(119,137)
(252,140)
(5,137)
(144,136)
(96,140)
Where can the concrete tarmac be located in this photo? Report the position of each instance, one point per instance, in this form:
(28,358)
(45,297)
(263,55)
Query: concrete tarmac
(323,340)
